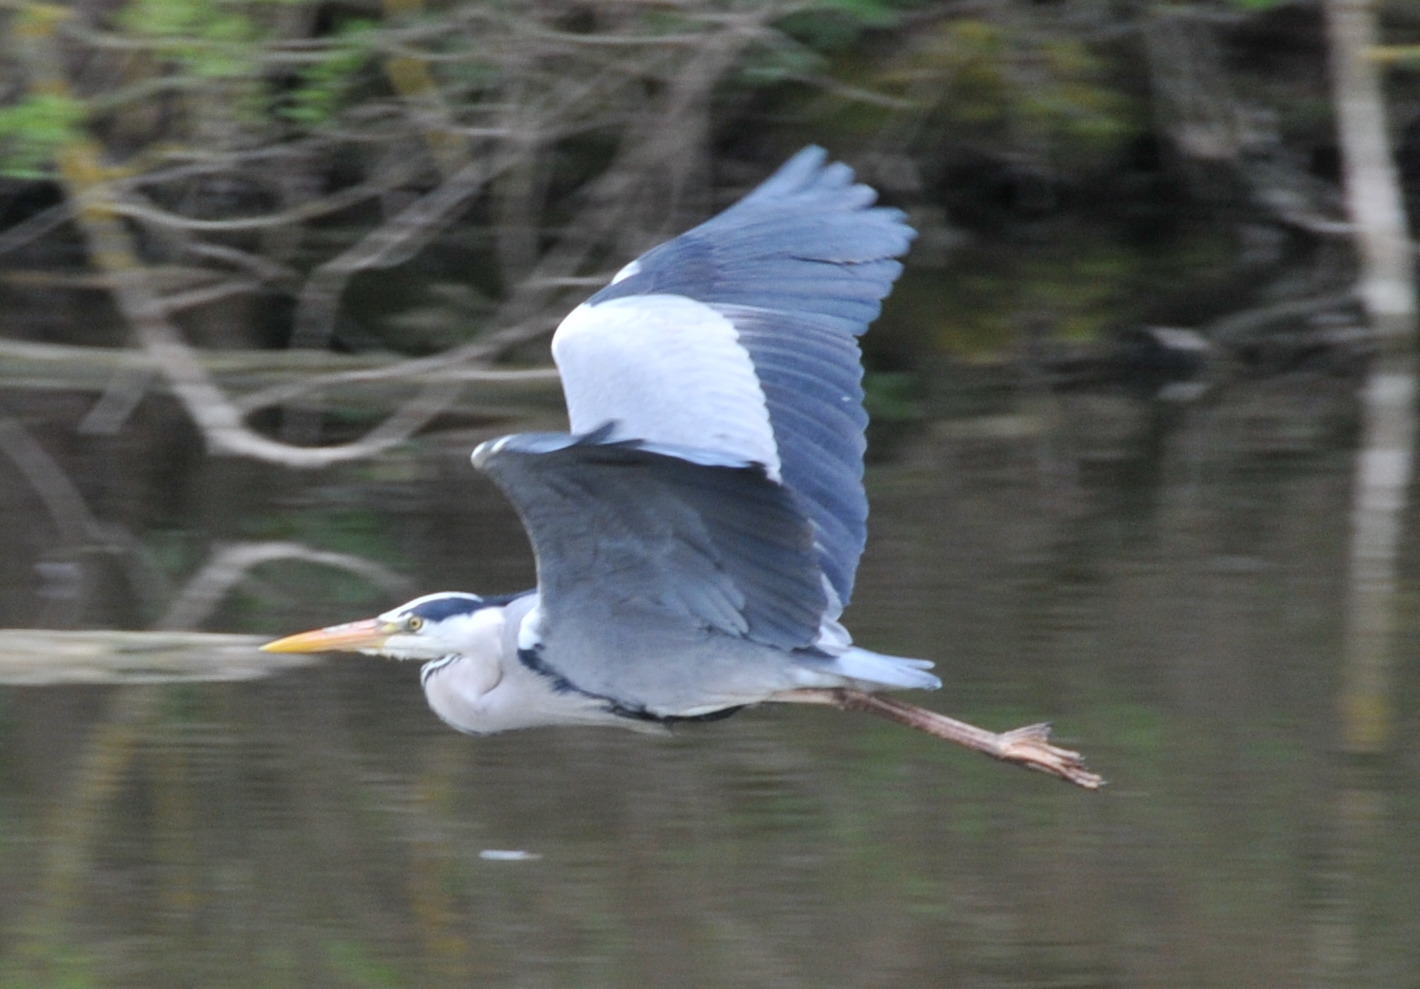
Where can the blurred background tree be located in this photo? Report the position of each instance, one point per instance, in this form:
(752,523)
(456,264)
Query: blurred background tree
(411,180)
(316,229)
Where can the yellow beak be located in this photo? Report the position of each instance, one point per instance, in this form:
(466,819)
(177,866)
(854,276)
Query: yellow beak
(351,637)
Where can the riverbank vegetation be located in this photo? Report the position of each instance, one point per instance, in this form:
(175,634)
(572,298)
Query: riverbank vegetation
(431,186)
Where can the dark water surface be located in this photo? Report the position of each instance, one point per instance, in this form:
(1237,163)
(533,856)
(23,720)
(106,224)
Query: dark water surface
(1165,585)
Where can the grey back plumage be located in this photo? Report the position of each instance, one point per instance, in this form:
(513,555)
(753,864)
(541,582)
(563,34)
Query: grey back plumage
(678,538)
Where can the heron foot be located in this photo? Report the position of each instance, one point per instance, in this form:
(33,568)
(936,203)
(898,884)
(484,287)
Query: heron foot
(1028,746)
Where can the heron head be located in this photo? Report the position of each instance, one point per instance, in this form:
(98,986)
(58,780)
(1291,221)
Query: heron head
(427,628)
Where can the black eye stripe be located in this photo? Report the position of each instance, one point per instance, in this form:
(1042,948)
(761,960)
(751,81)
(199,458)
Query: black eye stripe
(441,608)
(458,604)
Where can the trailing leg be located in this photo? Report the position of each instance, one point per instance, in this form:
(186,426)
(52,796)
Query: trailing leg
(1028,746)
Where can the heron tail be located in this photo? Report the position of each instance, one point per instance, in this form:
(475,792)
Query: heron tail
(876,670)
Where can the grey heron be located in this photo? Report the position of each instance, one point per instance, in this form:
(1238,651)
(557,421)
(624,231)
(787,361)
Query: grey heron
(697,532)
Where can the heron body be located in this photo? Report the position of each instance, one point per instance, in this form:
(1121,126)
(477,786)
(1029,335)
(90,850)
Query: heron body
(698,530)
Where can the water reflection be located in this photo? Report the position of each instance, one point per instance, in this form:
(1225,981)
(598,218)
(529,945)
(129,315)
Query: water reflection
(1166,587)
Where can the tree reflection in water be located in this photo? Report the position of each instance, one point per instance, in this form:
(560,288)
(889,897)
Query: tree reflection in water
(1176,603)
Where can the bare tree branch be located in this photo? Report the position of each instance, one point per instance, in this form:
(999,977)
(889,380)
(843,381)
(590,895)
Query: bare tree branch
(229,565)
(70,514)
(130,205)
(389,245)
(35,227)
(565,85)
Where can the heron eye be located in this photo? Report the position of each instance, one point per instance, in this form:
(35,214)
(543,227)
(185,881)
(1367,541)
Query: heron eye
(414,623)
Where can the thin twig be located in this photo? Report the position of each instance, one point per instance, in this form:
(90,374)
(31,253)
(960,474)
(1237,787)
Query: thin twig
(229,565)
(256,265)
(129,205)
(391,244)
(1236,326)
(120,399)
(34,227)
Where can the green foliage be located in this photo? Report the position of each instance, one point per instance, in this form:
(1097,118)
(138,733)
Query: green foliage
(978,312)
(32,131)
(214,40)
(1027,89)
(209,38)
(1000,87)
(809,36)
(834,25)
(321,88)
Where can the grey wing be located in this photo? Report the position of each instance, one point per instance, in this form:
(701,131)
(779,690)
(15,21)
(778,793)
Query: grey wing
(681,542)
(755,311)
(807,241)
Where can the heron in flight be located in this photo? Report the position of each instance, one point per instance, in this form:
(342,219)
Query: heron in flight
(698,530)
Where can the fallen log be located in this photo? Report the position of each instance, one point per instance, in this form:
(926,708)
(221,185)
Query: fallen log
(35,657)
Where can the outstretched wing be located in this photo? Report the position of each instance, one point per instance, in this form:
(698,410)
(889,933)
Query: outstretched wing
(739,337)
(656,540)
